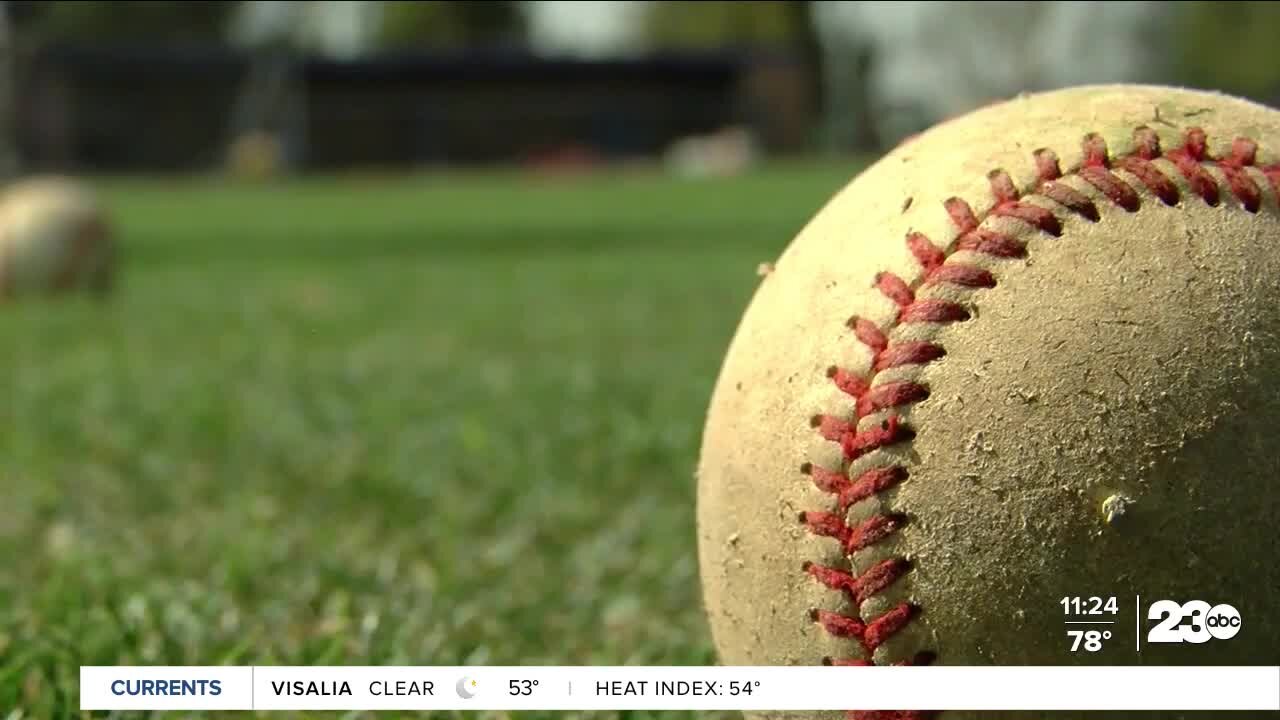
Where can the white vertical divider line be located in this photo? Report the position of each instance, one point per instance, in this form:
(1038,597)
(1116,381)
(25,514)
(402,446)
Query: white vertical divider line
(1137,621)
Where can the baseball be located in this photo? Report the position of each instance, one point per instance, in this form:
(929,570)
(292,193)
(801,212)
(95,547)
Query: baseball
(55,237)
(1032,354)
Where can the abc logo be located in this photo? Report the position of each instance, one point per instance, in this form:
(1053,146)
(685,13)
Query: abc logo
(1192,622)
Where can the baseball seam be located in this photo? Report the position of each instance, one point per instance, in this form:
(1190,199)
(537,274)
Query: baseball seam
(876,402)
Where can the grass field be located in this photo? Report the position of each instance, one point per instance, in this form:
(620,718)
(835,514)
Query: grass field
(443,420)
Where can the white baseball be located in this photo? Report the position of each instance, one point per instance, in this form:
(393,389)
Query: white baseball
(55,237)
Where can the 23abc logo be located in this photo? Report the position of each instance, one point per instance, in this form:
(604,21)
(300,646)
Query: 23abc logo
(1192,622)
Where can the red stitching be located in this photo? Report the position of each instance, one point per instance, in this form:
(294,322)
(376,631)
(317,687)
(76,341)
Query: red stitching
(1157,182)
(869,334)
(1098,169)
(1188,159)
(1146,143)
(883,397)
(857,443)
(832,428)
(879,577)
(908,353)
(1273,175)
(1002,187)
(1112,186)
(929,256)
(1243,154)
(1095,151)
(961,274)
(847,381)
(865,534)
(937,311)
(961,215)
(895,288)
(875,579)
(1035,215)
(1047,167)
(991,243)
(839,625)
(889,623)
(849,492)
(1008,205)
(1073,200)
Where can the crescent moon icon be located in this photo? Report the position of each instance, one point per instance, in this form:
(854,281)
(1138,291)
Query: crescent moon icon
(466,687)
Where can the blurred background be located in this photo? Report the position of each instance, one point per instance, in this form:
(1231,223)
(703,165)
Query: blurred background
(414,308)
(328,86)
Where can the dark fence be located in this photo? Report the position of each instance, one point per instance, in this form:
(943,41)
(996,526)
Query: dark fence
(140,110)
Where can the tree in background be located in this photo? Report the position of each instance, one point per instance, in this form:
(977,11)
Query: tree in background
(9,159)
(931,61)
(714,24)
(40,107)
(153,22)
(847,121)
(1229,47)
(267,123)
(759,31)
(451,25)
(586,29)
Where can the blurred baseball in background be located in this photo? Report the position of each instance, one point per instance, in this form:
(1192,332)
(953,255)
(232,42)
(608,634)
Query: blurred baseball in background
(55,238)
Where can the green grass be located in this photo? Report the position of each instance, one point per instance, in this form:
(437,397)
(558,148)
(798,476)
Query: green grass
(442,420)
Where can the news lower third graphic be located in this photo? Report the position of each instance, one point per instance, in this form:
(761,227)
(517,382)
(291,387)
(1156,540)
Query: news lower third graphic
(678,688)
(1090,624)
